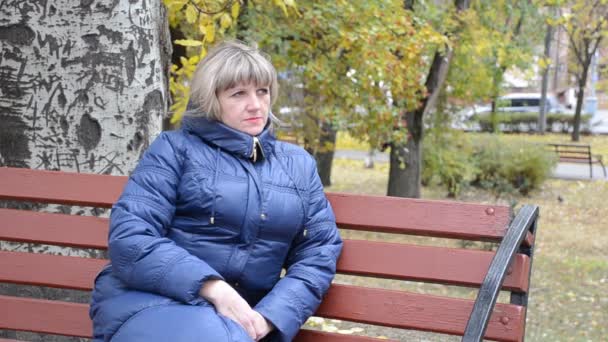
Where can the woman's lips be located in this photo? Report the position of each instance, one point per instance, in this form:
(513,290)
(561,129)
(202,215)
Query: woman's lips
(253,119)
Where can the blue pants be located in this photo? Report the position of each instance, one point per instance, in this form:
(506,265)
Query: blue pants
(180,323)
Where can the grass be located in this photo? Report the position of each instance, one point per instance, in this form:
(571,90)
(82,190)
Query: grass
(568,295)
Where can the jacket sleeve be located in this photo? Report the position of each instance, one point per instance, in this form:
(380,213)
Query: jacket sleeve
(310,265)
(141,255)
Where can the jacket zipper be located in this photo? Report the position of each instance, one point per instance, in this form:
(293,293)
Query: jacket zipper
(256,144)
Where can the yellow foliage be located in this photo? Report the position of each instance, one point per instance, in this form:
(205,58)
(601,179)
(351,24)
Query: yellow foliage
(191,14)
(210,33)
(235,10)
(225,21)
(188,42)
(203,22)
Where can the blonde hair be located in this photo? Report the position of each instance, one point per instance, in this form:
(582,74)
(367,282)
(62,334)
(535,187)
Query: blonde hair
(225,66)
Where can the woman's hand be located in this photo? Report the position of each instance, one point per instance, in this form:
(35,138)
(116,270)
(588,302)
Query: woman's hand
(229,303)
(262,326)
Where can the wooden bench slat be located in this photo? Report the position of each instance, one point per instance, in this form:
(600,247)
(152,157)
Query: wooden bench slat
(372,306)
(63,230)
(54,229)
(426,218)
(306,335)
(60,187)
(45,316)
(49,270)
(457,220)
(417,311)
(428,264)
(377,259)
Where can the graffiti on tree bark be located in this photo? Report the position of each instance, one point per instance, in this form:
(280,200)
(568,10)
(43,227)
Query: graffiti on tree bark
(81,88)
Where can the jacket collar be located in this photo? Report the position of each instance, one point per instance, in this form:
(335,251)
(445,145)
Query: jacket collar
(227,138)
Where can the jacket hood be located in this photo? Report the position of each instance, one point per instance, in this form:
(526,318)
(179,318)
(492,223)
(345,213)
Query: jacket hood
(229,139)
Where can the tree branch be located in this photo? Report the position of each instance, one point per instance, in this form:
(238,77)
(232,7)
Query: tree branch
(224,8)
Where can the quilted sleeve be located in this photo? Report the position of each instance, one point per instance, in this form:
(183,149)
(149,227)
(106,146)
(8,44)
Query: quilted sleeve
(142,257)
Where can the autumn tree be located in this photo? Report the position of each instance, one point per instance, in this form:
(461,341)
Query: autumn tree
(513,28)
(353,59)
(586,25)
(406,158)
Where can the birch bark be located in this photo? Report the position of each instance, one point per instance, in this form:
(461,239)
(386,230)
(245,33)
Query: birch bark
(83,84)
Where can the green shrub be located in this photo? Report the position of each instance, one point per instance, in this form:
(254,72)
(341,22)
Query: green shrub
(446,161)
(517,122)
(511,167)
(452,160)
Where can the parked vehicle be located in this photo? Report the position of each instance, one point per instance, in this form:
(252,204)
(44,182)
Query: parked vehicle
(517,112)
(520,103)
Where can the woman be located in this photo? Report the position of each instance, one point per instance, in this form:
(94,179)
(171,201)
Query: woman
(211,215)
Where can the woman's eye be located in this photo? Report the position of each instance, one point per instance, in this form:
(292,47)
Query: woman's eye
(238,93)
(263,91)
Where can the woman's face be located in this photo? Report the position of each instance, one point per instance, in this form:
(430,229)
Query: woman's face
(244,107)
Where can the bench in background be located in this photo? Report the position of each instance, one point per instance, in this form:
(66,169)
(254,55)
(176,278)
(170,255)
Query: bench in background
(579,154)
(508,269)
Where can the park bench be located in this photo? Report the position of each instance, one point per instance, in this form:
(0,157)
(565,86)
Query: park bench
(579,154)
(504,269)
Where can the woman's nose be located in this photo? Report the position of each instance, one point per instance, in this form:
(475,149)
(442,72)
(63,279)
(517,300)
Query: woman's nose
(253,102)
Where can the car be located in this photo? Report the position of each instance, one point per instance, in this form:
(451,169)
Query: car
(520,103)
(511,103)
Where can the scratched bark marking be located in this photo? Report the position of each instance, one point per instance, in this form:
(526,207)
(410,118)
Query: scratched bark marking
(83,84)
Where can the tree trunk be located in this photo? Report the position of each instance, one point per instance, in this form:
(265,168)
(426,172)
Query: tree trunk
(405,169)
(542,117)
(406,161)
(576,127)
(83,88)
(325,153)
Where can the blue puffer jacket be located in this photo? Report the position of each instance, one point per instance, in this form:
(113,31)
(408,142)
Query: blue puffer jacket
(197,208)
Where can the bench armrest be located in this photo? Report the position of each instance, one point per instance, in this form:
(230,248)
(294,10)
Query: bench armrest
(488,292)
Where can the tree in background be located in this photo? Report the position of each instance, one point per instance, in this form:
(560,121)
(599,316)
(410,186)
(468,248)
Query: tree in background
(586,25)
(406,181)
(495,37)
(513,28)
(354,60)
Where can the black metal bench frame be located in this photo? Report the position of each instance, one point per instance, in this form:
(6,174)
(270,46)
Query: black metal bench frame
(578,153)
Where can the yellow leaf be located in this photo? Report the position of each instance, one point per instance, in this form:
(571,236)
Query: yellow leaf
(191,14)
(188,42)
(210,33)
(194,59)
(236,8)
(178,109)
(225,21)
(183,60)
(203,53)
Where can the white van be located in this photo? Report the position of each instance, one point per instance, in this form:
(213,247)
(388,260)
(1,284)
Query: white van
(520,103)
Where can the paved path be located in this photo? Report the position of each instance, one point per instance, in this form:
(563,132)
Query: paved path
(562,171)
(599,122)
